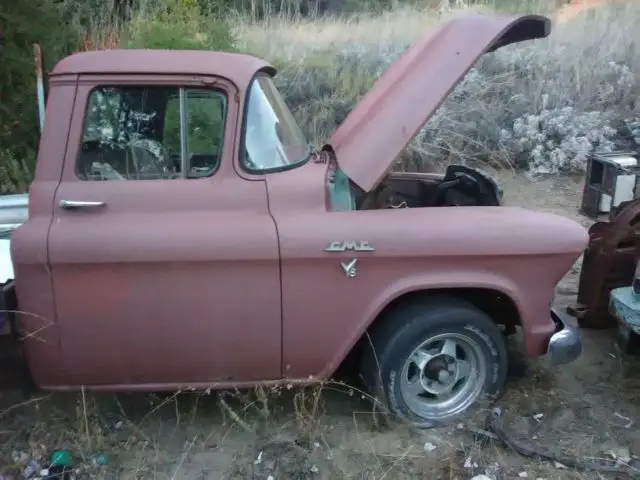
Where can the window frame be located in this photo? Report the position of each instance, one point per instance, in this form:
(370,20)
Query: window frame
(181,91)
(184,126)
(242,150)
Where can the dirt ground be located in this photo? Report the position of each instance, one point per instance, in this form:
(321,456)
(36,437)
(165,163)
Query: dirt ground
(589,409)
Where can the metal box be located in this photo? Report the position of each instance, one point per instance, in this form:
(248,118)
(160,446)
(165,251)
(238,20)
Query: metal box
(611,179)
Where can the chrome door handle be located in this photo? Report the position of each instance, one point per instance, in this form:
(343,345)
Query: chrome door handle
(74,204)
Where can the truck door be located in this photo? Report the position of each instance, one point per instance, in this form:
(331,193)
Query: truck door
(164,261)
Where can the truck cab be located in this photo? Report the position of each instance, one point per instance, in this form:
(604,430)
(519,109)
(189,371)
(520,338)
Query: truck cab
(182,232)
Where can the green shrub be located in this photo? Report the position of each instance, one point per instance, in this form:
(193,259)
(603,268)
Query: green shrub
(177,25)
(205,124)
(158,34)
(21,25)
(15,170)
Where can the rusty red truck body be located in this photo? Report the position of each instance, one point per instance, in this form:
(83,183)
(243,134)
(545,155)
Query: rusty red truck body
(182,233)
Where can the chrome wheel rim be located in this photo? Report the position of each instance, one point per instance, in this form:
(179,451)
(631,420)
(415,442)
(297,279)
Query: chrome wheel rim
(443,376)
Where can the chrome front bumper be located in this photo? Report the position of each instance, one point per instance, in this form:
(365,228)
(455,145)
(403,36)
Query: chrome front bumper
(565,345)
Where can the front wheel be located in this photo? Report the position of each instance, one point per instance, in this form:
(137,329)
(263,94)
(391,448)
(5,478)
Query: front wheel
(432,361)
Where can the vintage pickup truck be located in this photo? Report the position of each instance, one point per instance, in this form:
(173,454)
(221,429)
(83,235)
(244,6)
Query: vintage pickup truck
(181,232)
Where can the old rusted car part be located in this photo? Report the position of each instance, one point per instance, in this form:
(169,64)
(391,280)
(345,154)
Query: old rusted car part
(609,262)
(265,239)
(624,305)
(460,185)
(610,180)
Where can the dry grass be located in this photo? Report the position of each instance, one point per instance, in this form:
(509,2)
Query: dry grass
(294,38)
(323,432)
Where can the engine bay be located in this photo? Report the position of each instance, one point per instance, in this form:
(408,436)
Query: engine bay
(460,185)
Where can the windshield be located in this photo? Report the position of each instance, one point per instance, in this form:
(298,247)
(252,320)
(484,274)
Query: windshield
(273,140)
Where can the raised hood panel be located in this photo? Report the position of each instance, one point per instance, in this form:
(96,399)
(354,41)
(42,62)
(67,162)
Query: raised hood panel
(408,93)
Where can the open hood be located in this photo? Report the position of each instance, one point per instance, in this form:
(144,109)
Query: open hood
(407,94)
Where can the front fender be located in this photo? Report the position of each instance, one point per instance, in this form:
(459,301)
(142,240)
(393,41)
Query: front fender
(326,311)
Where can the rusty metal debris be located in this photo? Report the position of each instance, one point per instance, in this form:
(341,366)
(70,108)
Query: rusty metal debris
(609,262)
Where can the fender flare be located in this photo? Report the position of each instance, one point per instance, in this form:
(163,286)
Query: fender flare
(421,283)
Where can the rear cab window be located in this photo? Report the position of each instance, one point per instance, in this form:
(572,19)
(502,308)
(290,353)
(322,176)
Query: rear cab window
(152,133)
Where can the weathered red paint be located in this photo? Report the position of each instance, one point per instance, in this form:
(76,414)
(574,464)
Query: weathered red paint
(225,281)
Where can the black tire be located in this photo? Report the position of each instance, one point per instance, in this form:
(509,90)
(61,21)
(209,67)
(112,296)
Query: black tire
(408,326)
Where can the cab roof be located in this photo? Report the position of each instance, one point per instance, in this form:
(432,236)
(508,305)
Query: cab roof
(237,67)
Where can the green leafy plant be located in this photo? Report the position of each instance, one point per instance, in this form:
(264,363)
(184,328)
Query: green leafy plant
(21,25)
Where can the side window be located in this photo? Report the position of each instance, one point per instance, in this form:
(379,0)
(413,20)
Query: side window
(204,129)
(152,133)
